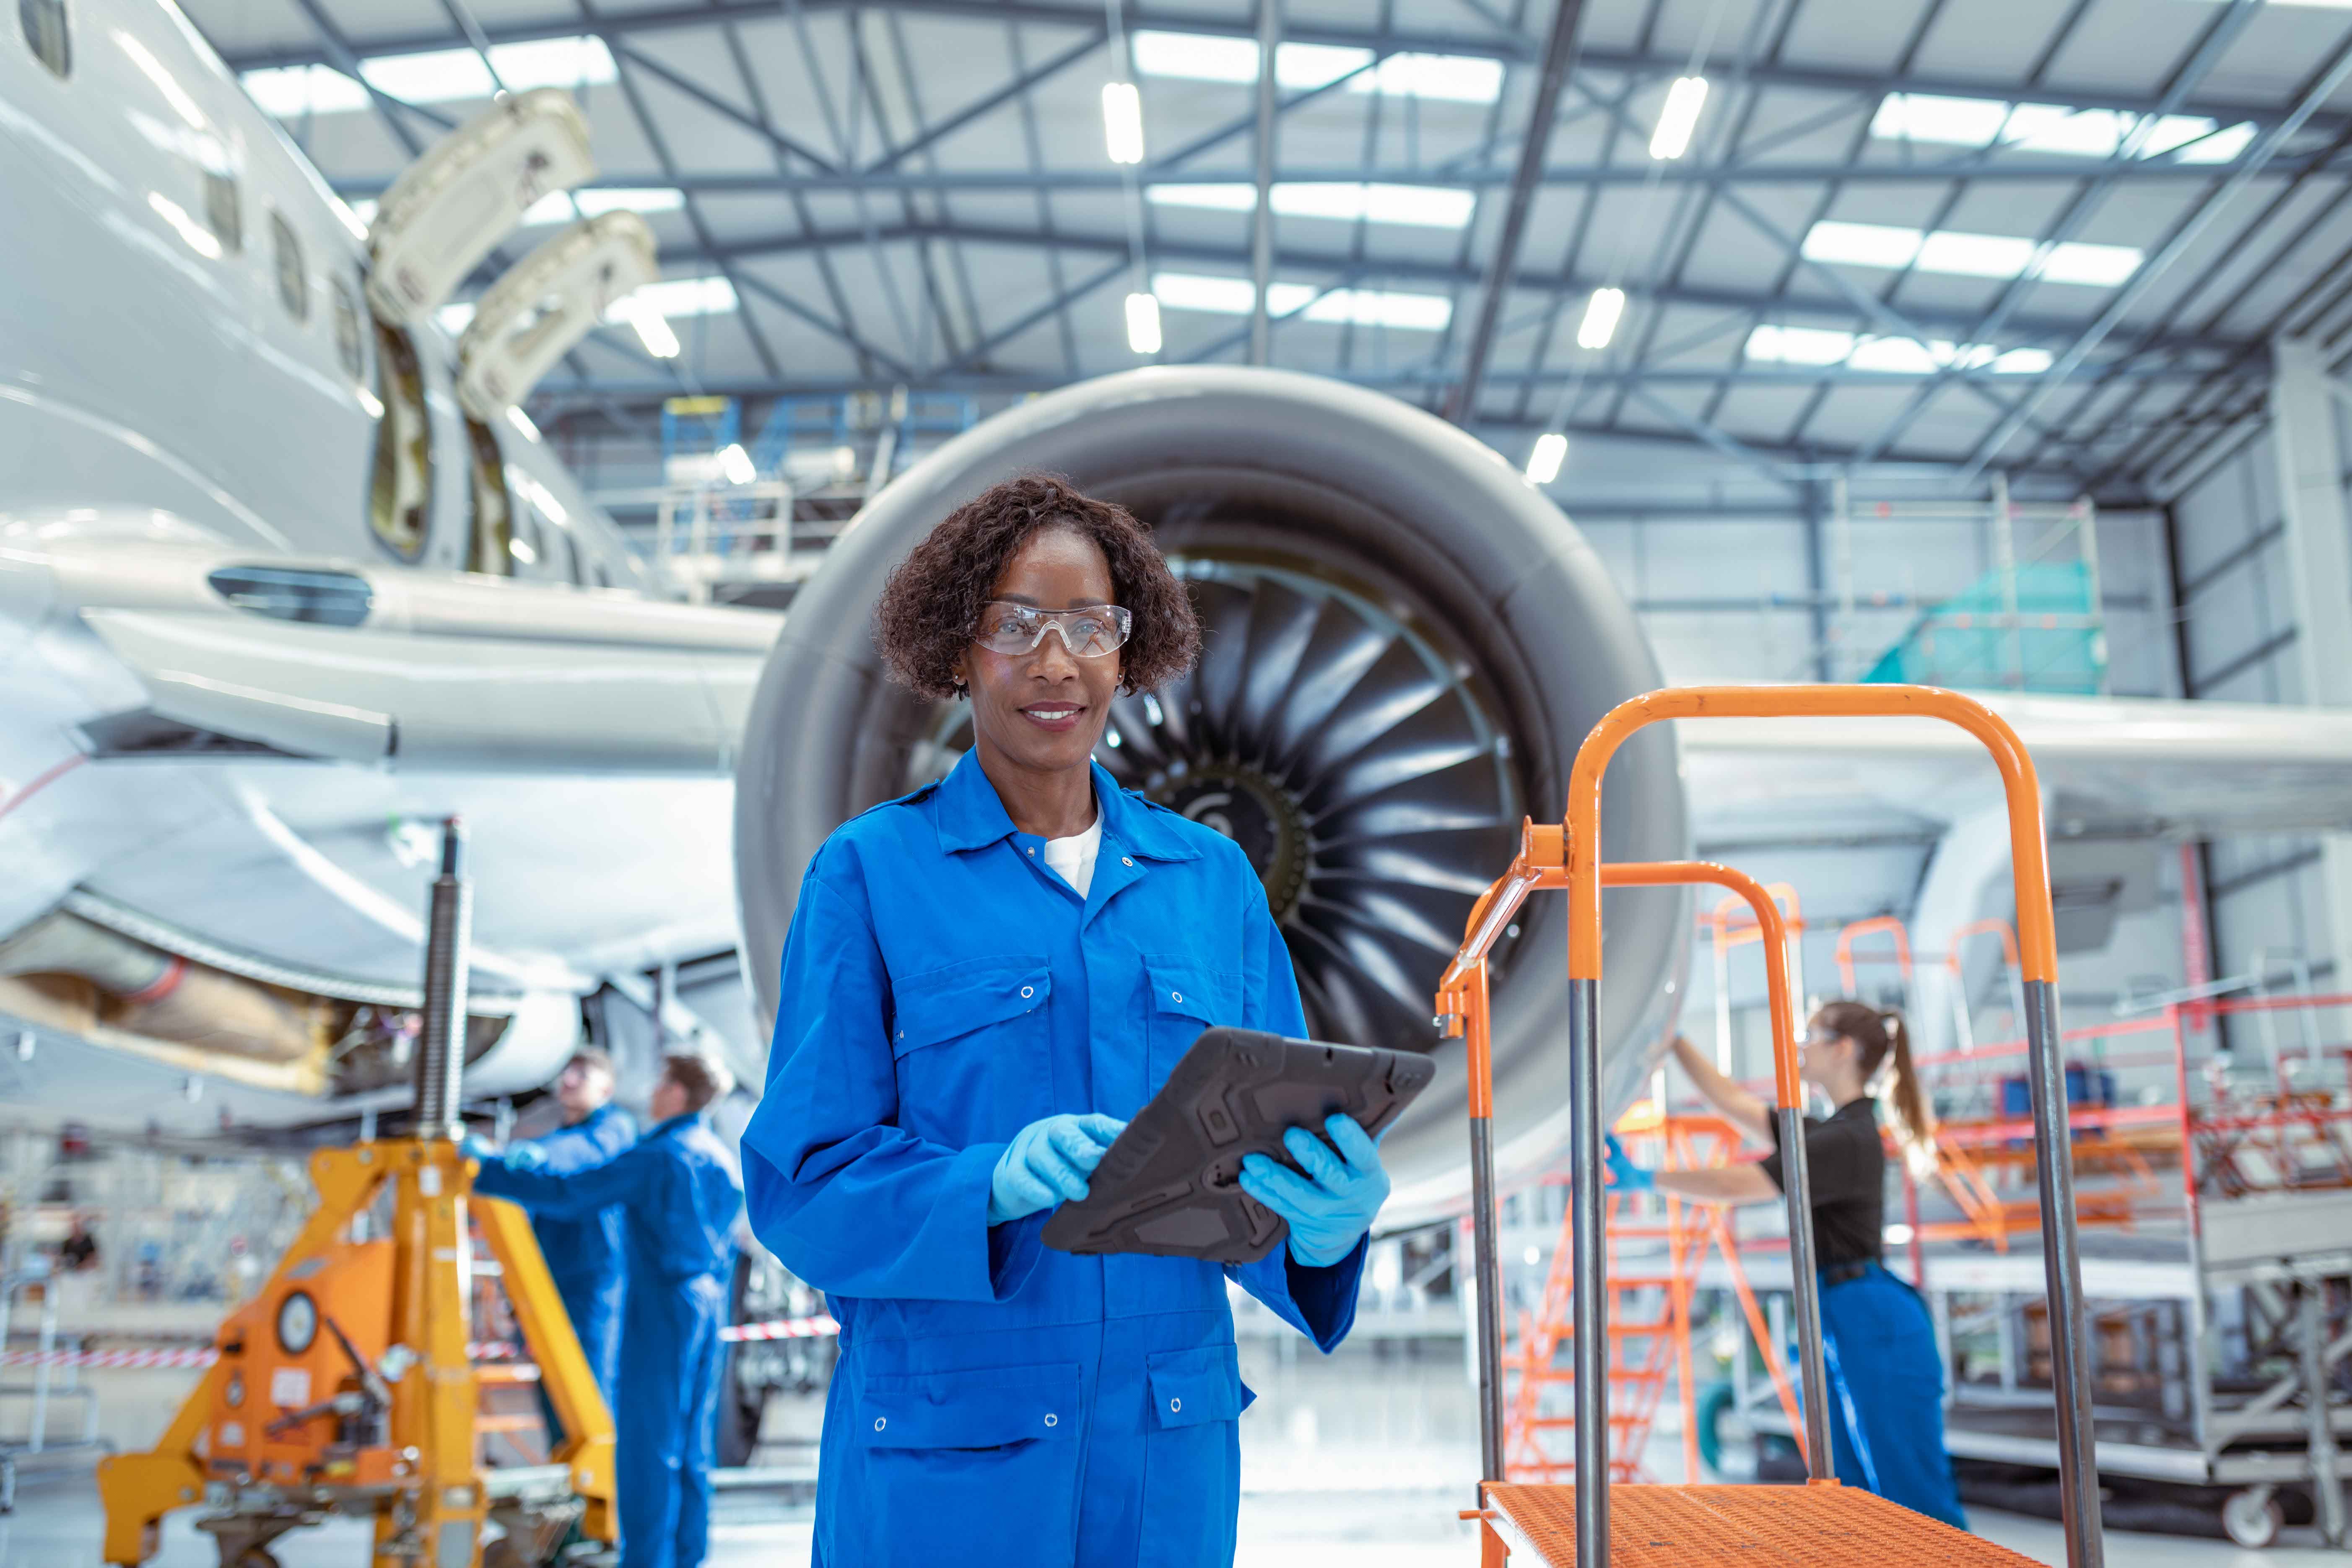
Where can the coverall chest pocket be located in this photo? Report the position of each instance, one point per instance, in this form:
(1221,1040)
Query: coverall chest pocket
(972,1468)
(1191,1458)
(969,1046)
(1183,996)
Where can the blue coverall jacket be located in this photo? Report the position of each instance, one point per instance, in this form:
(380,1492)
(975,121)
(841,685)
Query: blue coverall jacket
(584,1255)
(997,1401)
(679,1195)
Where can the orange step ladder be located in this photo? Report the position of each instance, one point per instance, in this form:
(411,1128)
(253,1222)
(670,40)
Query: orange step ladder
(1636,1526)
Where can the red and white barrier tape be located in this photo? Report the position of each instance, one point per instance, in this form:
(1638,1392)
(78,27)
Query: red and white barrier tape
(818,1327)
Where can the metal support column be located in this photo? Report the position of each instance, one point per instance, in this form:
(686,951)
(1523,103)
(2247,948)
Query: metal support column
(1588,1287)
(441,1049)
(2319,543)
(1269,47)
(1486,1255)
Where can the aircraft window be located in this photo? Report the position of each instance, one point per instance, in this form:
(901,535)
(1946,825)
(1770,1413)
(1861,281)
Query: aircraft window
(400,493)
(348,343)
(290,594)
(492,549)
(45,31)
(223,215)
(293,280)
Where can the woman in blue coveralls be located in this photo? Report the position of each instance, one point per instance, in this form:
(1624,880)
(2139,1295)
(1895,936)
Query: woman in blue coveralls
(983,981)
(1885,1375)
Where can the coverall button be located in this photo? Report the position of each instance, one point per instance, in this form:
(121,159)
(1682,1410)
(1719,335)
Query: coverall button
(1175,995)
(1174,1405)
(880,1422)
(1053,1420)
(1027,991)
(1125,861)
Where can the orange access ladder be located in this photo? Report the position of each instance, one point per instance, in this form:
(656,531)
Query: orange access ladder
(1649,1316)
(1596,1524)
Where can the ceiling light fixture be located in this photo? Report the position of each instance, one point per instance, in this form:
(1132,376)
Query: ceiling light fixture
(1544,462)
(1601,316)
(1123,122)
(735,464)
(1679,118)
(1143,323)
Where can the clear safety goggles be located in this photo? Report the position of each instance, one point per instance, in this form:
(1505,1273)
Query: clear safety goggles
(1089,631)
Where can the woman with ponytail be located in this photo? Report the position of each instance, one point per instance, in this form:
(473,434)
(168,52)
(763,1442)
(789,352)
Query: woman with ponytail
(1886,1378)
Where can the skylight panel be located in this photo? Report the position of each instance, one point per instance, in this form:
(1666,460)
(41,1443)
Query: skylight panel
(1969,254)
(1365,307)
(1886,355)
(1302,67)
(1861,244)
(557,207)
(1799,345)
(442,76)
(290,92)
(1191,291)
(1420,206)
(712,295)
(2054,128)
(438,77)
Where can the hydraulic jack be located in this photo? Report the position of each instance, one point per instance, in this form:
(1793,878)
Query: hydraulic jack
(347,1385)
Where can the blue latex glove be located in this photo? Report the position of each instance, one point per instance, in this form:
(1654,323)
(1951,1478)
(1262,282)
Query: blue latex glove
(1624,1174)
(1048,1163)
(526,1157)
(474,1146)
(1331,1213)
(521,1157)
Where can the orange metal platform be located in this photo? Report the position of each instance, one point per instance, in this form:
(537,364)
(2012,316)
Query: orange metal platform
(1755,1527)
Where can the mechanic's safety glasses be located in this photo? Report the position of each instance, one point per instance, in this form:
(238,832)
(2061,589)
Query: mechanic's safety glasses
(1089,631)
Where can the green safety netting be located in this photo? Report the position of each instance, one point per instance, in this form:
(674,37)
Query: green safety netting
(1967,640)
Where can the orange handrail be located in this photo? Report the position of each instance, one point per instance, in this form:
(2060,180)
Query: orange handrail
(1774,932)
(1871,927)
(1998,928)
(2036,936)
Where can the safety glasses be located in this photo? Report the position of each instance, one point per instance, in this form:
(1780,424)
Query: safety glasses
(1089,631)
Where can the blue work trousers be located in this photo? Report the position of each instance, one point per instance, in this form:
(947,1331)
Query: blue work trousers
(665,1422)
(1887,1396)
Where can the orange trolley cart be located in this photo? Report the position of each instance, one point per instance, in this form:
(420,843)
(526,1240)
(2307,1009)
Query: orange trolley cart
(1820,1522)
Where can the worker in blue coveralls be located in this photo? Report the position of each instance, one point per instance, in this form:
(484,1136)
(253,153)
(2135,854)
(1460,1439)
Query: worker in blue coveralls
(1885,1375)
(584,1255)
(679,1194)
(982,980)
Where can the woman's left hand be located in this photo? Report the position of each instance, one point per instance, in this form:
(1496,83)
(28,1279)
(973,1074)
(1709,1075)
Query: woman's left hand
(1330,1214)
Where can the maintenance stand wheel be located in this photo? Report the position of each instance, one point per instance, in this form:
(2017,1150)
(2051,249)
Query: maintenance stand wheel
(2253,1517)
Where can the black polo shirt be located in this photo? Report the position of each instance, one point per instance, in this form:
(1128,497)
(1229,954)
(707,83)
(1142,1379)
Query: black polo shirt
(1845,1164)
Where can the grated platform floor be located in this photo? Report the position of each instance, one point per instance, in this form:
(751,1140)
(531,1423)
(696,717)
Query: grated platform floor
(1755,1527)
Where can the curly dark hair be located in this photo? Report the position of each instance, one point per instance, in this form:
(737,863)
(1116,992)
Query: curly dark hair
(933,598)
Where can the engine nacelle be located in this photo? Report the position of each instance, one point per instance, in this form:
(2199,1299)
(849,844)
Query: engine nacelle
(1405,644)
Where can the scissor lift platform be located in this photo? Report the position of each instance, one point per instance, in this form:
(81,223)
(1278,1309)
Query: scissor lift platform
(1755,1527)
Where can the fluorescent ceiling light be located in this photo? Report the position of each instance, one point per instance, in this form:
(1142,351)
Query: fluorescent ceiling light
(522,422)
(1143,323)
(289,92)
(736,464)
(1600,314)
(1544,462)
(1123,122)
(1969,254)
(1365,307)
(1886,355)
(563,207)
(1420,206)
(653,331)
(2054,128)
(1679,118)
(1460,78)
(441,76)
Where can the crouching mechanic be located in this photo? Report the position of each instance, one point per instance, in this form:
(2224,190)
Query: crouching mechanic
(679,1193)
(982,981)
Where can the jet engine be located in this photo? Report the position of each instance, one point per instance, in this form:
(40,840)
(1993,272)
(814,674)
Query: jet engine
(1404,643)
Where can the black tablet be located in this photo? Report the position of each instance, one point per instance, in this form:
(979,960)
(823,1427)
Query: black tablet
(1170,1184)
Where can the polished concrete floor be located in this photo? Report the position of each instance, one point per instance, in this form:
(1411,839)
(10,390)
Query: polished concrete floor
(1359,1461)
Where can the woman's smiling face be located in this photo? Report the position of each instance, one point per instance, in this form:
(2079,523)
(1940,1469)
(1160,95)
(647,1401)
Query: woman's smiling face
(1044,711)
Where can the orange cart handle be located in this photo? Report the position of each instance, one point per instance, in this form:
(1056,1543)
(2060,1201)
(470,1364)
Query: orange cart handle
(1787,1089)
(2037,938)
(1871,927)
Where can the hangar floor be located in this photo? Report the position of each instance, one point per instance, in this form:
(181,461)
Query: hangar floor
(1337,1459)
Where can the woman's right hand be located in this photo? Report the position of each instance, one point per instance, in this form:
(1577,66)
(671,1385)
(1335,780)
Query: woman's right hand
(1048,1163)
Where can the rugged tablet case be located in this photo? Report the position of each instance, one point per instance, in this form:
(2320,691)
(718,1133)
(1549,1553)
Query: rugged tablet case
(1169,1185)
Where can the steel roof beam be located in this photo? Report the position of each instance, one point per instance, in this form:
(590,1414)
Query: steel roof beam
(1517,49)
